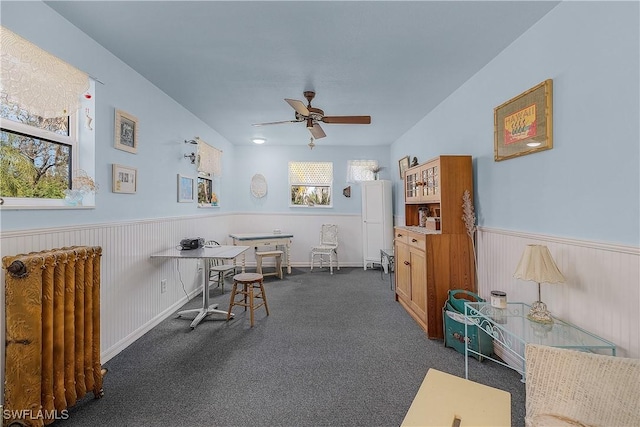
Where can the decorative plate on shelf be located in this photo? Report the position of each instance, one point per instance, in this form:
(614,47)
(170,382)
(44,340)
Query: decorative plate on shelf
(258,186)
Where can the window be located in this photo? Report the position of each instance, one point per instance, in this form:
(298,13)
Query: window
(209,172)
(47,157)
(39,157)
(361,170)
(36,153)
(311,184)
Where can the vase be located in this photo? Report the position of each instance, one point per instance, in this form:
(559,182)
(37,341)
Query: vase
(73,197)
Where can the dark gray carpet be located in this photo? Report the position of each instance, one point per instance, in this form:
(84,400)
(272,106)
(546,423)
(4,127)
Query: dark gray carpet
(335,351)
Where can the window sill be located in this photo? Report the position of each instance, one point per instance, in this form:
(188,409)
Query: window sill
(34,207)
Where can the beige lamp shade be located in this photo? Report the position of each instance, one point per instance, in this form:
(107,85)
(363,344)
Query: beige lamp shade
(537,265)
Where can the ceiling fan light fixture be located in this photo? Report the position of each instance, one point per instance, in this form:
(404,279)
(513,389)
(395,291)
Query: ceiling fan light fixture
(259,140)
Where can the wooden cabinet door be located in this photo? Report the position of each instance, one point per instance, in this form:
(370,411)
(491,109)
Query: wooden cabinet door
(418,265)
(412,185)
(403,271)
(430,178)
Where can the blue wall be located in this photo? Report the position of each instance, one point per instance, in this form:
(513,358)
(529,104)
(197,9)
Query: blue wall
(272,162)
(164,125)
(588,185)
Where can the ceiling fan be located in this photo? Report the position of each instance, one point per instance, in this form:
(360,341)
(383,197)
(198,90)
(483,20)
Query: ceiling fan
(312,116)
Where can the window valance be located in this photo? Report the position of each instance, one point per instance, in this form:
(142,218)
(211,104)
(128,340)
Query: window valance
(38,81)
(209,159)
(361,170)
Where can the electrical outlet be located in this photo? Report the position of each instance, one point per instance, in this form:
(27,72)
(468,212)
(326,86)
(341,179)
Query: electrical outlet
(163,286)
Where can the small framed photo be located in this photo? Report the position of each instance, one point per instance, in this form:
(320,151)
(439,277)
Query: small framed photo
(186,189)
(125,179)
(126,132)
(403,165)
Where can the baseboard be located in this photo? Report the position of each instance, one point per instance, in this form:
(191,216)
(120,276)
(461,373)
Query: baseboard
(132,337)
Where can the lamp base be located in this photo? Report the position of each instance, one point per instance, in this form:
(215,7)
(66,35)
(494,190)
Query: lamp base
(539,313)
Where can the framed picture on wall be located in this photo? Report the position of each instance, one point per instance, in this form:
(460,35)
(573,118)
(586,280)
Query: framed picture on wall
(403,165)
(125,179)
(523,125)
(126,132)
(186,189)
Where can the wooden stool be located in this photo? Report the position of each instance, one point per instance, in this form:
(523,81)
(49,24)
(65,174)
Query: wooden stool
(249,282)
(267,254)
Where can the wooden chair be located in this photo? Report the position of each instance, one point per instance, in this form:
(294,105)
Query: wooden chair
(249,283)
(217,269)
(277,255)
(328,246)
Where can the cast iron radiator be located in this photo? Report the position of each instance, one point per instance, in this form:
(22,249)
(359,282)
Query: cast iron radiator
(52,347)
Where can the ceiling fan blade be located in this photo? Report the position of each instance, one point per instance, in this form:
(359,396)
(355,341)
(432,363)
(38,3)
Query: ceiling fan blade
(317,131)
(347,120)
(298,106)
(276,123)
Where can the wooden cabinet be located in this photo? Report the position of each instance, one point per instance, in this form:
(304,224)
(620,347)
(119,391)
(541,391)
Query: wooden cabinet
(411,269)
(377,220)
(430,262)
(439,186)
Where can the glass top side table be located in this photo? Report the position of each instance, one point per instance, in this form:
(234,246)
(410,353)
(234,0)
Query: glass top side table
(511,330)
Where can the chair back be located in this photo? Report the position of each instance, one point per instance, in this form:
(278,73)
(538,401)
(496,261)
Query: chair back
(215,261)
(329,235)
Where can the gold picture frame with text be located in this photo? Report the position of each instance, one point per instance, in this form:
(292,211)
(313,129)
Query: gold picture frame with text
(524,124)
(126,132)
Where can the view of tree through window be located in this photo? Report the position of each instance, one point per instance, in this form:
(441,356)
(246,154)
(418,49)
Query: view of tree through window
(32,163)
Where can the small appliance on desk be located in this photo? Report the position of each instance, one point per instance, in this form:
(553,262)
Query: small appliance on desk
(191,243)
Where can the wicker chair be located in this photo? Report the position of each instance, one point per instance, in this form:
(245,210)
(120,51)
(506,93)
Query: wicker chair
(328,246)
(574,388)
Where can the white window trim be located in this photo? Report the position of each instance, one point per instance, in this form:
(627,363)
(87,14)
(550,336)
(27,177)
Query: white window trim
(310,184)
(82,142)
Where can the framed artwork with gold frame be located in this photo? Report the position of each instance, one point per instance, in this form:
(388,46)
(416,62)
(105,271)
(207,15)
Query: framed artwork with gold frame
(524,124)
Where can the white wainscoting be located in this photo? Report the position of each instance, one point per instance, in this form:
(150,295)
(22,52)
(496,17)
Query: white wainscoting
(602,289)
(131,301)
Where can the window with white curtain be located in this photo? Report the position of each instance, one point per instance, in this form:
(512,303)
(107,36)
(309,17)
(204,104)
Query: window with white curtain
(47,154)
(311,184)
(361,170)
(209,172)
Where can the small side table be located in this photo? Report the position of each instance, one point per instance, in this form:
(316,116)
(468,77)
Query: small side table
(389,256)
(444,397)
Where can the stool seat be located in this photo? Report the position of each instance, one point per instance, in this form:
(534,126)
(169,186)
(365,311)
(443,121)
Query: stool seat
(247,277)
(252,287)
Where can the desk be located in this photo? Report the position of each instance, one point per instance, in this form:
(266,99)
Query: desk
(207,254)
(265,239)
(511,330)
(442,397)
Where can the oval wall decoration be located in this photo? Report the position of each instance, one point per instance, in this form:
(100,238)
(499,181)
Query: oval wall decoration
(258,186)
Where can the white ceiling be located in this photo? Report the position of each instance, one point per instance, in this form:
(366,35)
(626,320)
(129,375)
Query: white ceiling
(233,63)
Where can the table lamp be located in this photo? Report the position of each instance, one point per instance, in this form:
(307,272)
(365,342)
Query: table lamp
(537,265)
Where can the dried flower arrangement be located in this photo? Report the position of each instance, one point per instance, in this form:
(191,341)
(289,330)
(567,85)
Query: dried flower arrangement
(469,218)
(377,169)
(84,182)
